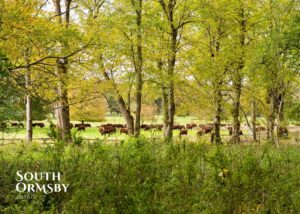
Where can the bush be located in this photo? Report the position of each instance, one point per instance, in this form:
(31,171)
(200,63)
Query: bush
(138,176)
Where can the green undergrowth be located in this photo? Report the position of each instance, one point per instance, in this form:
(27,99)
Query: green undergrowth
(139,176)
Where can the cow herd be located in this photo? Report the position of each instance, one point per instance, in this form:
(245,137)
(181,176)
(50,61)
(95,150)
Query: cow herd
(202,129)
(109,128)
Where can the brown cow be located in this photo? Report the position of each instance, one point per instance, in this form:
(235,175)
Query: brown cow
(123,130)
(200,133)
(17,125)
(207,129)
(260,128)
(81,128)
(159,127)
(41,125)
(107,130)
(80,125)
(145,127)
(178,127)
(183,132)
(282,131)
(190,126)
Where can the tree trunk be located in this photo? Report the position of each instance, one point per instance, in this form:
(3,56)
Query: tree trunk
(236,108)
(124,110)
(138,70)
(237,79)
(253,120)
(63,113)
(126,114)
(271,118)
(171,111)
(165,109)
(28,107)
(171,97)
(218,111)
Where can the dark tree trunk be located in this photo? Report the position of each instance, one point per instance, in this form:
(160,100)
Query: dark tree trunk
(171,69)
(237,78)
(253,120)
(165,109)
(236,108)
(271,117)
(138,70)
(218,111)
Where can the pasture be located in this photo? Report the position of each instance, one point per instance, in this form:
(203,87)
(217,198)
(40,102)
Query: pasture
(17,135)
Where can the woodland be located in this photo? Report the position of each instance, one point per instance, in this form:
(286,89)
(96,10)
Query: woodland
(151,106)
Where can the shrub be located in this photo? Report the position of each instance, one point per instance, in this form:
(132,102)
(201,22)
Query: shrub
(138,176)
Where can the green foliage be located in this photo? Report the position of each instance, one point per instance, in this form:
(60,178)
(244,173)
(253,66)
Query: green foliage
(10,97)
(138,176)
(293,112)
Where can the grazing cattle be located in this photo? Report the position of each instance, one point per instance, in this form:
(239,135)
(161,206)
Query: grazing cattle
(77,125)
(123,130)
(260,128)
(107,130)
(81,128)
(178,127)
(183,132)
(200,133)
(191,126)
(207,129)
(282,131)
(159,127)
(80,124)
(145,127)
(41,125)
(17,125)
(118,126)
(230,130)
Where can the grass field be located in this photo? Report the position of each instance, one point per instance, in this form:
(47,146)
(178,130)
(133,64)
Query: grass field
(17,134)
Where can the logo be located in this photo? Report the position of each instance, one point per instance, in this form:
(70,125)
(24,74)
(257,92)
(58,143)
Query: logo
(30,182)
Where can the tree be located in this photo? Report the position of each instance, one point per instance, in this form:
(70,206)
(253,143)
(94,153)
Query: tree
(177,15)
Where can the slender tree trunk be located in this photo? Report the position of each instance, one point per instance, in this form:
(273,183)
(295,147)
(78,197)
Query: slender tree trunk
(253,120)
(138,70)
(28,107)
(237,79)
(165,109)
(236,108)
(171,97)
(126,114)
(218,111)
(124,110)
(271,118)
